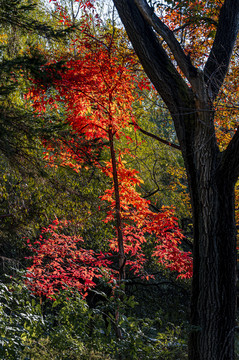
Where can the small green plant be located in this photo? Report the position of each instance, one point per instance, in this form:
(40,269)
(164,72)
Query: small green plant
(20,319)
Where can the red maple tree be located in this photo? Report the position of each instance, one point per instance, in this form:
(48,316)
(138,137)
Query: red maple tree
(97,89)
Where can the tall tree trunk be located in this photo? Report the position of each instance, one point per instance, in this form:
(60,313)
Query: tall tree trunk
(211,174)
(213,290)
(213,300)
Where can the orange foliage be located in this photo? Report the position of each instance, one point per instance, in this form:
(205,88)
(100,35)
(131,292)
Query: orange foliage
(97,89)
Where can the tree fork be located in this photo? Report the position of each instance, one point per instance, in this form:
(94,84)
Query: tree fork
(211,174)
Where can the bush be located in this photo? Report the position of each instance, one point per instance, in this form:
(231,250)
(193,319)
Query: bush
(68,329)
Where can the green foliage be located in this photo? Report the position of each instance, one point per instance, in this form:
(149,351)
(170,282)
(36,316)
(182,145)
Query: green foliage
(21,319)
(68,328)
(30,202)
(160,166)
(33,194)
(25,194)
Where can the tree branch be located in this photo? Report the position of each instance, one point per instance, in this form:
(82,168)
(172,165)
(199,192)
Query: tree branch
(182,59)
(157,65)
(166,142)
(217,64)
(190,22)
(150,194)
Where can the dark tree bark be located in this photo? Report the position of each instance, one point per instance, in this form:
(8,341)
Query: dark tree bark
(211,174)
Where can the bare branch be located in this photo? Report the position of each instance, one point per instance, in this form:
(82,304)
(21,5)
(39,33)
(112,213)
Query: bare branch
(190,22)
(163,141)
(151,193)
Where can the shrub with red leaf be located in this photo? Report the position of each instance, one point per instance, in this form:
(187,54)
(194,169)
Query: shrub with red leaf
(59,262)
